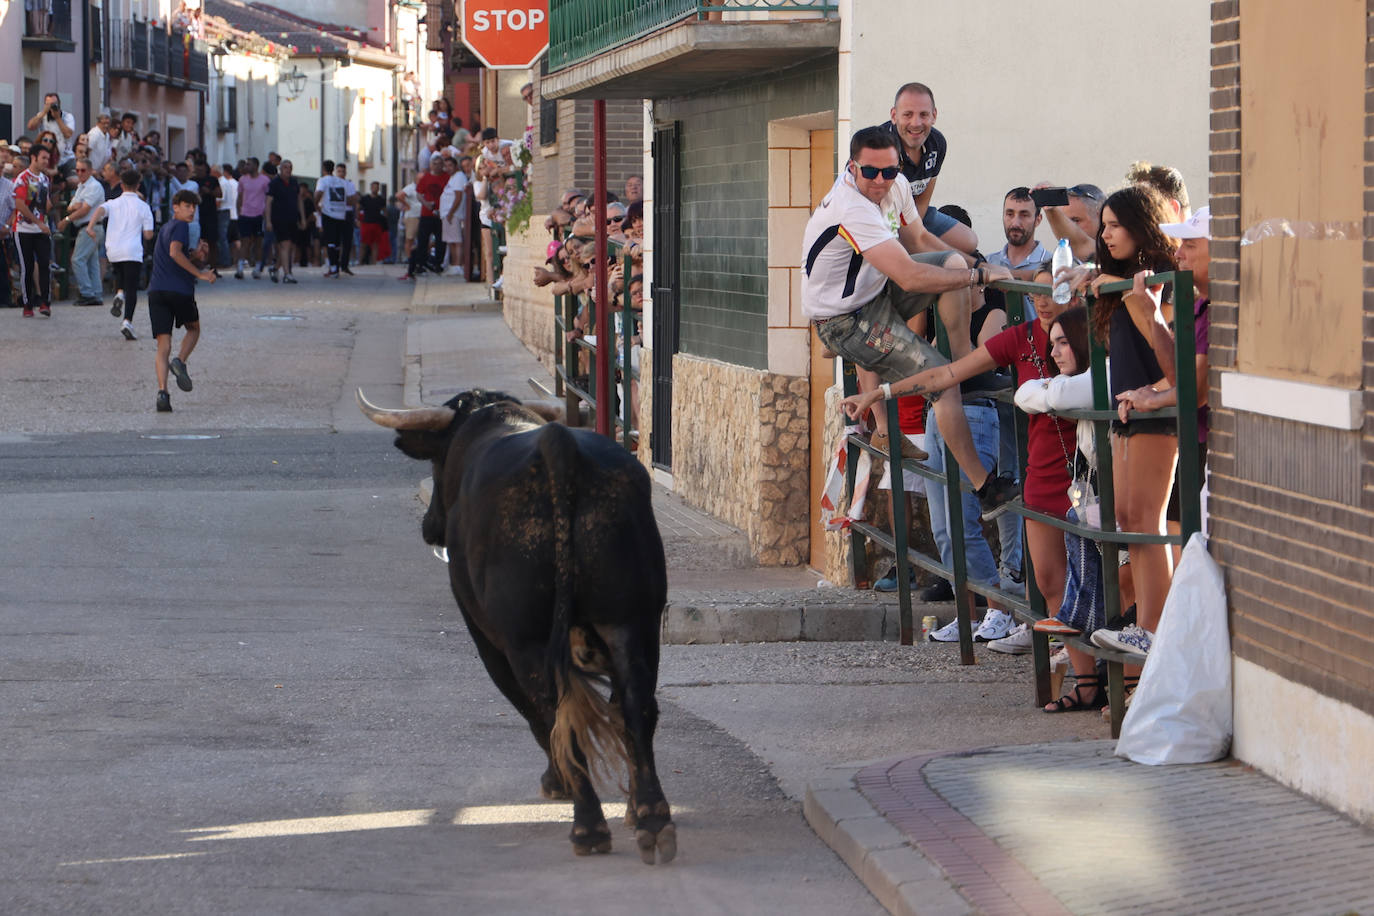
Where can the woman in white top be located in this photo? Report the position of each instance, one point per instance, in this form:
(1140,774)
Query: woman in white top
(1071,389)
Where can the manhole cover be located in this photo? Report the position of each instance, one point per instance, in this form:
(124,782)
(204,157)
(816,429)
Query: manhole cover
(279,317)
(179,436)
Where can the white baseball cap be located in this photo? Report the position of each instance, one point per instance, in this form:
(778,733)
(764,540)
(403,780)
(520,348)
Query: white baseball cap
(1197,226)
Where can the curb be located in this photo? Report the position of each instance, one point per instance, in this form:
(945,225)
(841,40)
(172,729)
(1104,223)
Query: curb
(902,879)
(690,625)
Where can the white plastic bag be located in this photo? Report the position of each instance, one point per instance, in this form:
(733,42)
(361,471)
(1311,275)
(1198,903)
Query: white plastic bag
(1182,709)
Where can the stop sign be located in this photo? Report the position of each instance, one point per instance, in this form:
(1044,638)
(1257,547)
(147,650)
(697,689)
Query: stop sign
(506,34)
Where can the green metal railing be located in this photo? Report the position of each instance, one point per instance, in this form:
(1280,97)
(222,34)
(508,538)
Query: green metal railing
(579,29)
(1031,607)
(567,381)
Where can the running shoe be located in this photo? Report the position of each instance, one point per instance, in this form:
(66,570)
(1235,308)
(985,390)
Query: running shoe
(996,625)
(117,306)
(179,370)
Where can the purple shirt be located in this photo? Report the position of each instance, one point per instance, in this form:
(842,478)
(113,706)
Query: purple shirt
(254,189)
(1202,320)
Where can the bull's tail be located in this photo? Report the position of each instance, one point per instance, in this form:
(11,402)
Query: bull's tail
(585,720)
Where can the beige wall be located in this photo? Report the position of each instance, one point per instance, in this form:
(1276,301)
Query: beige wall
(1013,78)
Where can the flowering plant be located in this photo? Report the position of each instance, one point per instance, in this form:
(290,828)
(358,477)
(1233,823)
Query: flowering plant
(514,203)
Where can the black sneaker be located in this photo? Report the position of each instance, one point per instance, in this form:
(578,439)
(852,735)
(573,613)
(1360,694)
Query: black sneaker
(179,370)
(939,590)
(1120,623)
(164,402)
(996,494)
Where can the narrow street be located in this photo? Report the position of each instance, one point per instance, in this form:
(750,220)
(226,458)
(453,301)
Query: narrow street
(233,680)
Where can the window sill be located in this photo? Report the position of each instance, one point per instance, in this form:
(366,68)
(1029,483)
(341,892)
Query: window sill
(1302,402)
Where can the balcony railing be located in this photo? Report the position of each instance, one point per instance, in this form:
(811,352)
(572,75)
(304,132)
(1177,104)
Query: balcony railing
(52,32)
(145,51)
(579,29)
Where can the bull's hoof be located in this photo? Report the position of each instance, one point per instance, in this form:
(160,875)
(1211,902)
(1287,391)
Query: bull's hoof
(587,840)
(630,820)
(655,832)
(552,788)
(664,843)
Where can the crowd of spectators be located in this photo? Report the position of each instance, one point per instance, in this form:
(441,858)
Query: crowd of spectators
(454,213)
(863,273)
(569,269)
(255,218)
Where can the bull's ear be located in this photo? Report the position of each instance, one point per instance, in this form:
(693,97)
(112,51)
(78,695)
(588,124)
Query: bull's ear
(422,445)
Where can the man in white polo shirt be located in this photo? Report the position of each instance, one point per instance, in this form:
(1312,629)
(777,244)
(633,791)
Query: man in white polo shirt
(863,279)
(130,224)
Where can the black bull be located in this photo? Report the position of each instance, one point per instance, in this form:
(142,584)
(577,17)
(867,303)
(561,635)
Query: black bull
(557,565)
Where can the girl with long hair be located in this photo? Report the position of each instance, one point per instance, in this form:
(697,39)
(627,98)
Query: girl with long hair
(1130,245)
(1072,388)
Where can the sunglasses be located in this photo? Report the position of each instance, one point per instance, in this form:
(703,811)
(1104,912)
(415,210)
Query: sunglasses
(872,171)
(1088,191)
(616,219)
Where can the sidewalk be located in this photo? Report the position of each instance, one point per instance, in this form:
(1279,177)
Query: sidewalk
(1070,828)
(456,339)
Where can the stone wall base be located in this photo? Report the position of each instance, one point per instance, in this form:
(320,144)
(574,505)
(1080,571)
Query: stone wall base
(740,441)
(528,309)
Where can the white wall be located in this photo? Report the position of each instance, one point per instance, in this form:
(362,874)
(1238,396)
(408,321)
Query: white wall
(255,80)
(299,119)
(1031,91)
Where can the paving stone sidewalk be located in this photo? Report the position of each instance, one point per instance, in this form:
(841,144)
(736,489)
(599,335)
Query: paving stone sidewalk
(1071,828)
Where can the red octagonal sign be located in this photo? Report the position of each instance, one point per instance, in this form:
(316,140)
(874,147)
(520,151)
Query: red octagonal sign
(506,34)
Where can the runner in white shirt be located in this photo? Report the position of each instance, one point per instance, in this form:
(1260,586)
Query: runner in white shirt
(333,194)
(130,224)
(228,215)
(863,281)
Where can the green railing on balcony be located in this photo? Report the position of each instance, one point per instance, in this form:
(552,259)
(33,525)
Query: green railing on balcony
(579,29)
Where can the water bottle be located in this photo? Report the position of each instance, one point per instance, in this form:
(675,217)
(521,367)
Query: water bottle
(1063,258)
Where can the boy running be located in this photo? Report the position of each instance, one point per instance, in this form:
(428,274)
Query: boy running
(172,296)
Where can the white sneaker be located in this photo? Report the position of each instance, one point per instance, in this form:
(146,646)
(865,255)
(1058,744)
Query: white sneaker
(497,284)
(947,633)
(996,625)
(117,307)
(1059,658)
(1017,642)
(127,330)
(454,272)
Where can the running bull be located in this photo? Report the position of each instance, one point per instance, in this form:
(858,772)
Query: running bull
(558,568)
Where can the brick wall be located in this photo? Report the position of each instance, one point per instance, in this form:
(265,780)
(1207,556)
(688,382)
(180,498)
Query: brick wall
(1299,565)
(568,163)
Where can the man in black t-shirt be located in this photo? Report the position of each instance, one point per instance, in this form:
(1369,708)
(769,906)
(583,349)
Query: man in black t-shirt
(283,219)
(372,207)
(921,154)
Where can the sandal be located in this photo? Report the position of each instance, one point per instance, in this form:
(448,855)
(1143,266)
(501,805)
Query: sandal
(1129,683)
(1056,627)
(1073,701)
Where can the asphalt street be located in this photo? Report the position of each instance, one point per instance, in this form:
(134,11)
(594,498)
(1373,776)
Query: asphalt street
(233,680)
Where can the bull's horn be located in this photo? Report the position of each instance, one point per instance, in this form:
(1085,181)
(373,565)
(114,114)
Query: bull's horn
(434,418)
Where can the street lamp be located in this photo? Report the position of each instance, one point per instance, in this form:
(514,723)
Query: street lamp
(295,82)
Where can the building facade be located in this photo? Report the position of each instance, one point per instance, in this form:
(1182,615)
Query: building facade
(59,53)
(748,114)
(1291,451)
